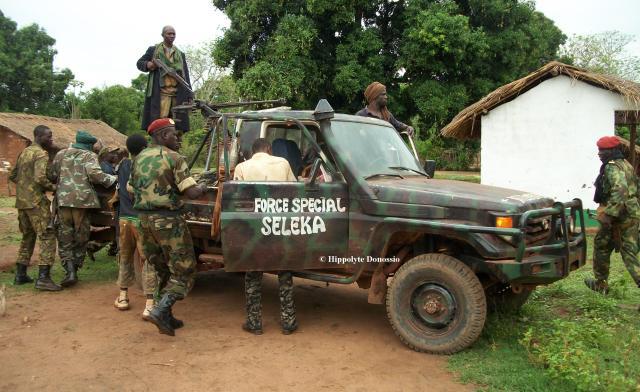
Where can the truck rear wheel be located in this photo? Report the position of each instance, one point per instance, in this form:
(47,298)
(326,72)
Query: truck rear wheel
(436,304)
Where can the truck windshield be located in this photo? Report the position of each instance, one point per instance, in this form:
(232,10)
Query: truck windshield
(372,150)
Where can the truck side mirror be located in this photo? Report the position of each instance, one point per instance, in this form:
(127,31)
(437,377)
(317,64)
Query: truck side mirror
(430,168)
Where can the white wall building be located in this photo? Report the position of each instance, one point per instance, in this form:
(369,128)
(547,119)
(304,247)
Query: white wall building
(542,138)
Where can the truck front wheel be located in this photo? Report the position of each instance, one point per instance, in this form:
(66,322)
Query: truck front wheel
(436,304)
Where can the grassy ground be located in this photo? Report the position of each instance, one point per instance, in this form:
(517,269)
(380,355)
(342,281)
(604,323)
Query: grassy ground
(7,202)
(565,338)
(104,269)
(458,176)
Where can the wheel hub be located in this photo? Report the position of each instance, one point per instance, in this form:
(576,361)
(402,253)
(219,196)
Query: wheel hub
(433,305)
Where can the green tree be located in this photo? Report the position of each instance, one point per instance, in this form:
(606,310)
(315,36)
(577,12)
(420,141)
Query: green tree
(29,82)
(118,106)
(435,56)
(604,53)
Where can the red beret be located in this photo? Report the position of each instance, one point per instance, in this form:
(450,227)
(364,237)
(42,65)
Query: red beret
(160,124)
(608,142)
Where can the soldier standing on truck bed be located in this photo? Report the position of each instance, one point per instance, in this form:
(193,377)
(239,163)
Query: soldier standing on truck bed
(163,91)
(618,214)
(376,96)
(74,169)
(34,210)
(264,167)
(129,235)
(158,176)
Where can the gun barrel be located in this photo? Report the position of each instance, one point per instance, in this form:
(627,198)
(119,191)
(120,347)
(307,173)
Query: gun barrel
(220,105)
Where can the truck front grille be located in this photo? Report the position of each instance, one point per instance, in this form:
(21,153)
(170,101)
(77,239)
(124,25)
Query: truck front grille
(538,229)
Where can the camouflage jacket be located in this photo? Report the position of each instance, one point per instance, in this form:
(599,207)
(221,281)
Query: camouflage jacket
(30,177)
(621,190)
(75,170)
(158,176)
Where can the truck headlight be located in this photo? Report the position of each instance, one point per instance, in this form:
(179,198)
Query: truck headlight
(504,222)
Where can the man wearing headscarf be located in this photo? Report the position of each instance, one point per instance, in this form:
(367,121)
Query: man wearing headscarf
(618,214)
(74,169)
(163,91)
(376,96)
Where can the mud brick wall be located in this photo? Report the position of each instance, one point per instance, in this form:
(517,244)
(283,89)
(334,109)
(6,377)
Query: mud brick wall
(11,145)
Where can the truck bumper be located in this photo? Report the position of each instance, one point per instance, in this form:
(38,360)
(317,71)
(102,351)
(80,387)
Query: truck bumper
(538,269)
(544,264)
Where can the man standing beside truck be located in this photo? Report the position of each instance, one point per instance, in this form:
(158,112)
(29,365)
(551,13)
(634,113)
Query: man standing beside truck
(74,169)
(129,235)
(618,214)
(264,167)
(159,176)
(34,215)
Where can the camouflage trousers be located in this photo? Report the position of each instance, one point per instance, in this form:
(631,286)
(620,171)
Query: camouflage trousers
(129,240)
(603,245)
(167,245)
(167,101)
(253,293)
(33,224)
(74,230)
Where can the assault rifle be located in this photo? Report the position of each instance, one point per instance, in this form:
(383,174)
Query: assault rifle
(172,72)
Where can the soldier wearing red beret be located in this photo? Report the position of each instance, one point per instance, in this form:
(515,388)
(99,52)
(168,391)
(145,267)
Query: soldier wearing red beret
(618,214)
(159,175)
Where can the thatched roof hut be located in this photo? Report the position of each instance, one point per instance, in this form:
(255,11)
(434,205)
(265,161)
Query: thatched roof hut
(64,130)
(467,125)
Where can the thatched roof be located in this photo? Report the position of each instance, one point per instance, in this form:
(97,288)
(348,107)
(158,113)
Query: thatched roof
(64,130)
(625,146)
(466,125)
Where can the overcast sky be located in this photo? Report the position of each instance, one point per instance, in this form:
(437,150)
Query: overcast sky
(101,41)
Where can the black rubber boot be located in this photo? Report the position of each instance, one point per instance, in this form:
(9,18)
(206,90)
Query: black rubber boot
(21,275)
(160,315)
(175,323)
(599,286)
(71,277)
(44,281)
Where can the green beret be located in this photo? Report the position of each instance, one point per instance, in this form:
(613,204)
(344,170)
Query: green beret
(85,138)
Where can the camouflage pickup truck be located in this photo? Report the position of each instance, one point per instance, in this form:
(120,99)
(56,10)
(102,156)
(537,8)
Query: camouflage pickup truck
(438,253)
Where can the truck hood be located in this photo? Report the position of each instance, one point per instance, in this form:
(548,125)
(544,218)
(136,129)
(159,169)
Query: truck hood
(418,190)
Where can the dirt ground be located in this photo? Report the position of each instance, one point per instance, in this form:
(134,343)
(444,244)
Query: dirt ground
(77,340)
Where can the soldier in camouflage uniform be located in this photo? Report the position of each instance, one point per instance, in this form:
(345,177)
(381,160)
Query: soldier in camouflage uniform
(158,176)
(618,214)
(74,170)
(30,177)
(264,167)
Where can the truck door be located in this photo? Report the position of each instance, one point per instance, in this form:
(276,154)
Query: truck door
(270,226)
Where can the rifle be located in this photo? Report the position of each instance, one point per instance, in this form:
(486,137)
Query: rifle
(172,72)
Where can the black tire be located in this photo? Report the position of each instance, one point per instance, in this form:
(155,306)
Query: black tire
(502,299)
(436,304)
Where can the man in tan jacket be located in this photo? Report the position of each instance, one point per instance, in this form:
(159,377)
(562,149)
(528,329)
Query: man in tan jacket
(264,167)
